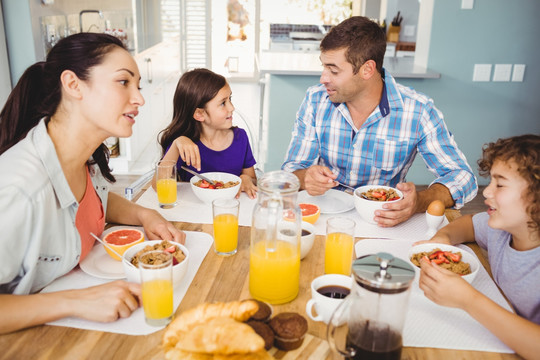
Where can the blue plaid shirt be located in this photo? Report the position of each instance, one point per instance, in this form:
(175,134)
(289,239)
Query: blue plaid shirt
(383,149)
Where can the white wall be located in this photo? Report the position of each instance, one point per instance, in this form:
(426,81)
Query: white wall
(5,79)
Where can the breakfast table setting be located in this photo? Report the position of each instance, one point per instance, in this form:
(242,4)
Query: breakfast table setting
(430,331)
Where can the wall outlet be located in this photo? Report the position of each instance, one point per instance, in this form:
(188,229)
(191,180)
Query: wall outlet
(519,72)
(467,4)
(502,72)
(482,72)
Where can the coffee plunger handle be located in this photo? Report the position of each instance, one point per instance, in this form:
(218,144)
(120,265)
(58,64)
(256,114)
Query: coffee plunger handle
(384,259)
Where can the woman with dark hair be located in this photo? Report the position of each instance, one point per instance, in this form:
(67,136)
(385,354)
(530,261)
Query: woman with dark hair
(53,191)
(201,134)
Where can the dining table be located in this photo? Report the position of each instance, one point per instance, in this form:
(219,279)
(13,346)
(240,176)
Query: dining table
(218,279)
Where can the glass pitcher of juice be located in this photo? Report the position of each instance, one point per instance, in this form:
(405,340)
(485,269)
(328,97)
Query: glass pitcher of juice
(274,264)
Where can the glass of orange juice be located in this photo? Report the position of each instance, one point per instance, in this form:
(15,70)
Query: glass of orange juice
(157,288)
(338,251)
(225,213)
(166,183)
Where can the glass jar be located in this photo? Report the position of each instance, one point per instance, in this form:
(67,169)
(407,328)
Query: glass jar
(274,264)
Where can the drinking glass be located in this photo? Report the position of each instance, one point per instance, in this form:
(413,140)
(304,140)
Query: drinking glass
(225,213)
(166,183)
(339,244)
(157,287)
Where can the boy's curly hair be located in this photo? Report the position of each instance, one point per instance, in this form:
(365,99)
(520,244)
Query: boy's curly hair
(524,151)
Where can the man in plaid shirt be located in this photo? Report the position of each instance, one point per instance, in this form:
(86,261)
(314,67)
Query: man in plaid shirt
(358,127)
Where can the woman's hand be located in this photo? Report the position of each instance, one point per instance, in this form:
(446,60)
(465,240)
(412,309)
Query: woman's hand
(444,287)
(156,227)
(188,151)
(248,186)
(107,302)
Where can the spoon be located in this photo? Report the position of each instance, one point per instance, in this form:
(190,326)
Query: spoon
(114,251)
(198,175)
(347,186)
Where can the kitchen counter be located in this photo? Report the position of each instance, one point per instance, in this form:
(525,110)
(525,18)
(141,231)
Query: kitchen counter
(308,63)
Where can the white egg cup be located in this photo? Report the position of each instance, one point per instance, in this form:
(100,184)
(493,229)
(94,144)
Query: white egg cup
(433,223)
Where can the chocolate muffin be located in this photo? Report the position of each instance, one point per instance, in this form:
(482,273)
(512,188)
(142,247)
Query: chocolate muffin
(264,313)
(264,331)
(289,329)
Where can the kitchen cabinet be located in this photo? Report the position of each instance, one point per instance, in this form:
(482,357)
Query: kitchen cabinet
(160,70)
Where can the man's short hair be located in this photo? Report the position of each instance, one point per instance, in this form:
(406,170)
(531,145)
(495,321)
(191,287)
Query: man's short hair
(364,40)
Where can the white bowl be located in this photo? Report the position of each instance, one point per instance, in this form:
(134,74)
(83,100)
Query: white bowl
(366,208)
(466,257)
(208,195)
(132,273)
(306,241)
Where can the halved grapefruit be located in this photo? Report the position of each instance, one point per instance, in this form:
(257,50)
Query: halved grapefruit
(121,240)
(310,212)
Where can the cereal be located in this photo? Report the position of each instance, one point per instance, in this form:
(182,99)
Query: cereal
(446,259)
(381,194)
(219,184)
(178,255)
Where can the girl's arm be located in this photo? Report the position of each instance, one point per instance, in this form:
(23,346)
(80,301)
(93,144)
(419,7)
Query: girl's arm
(123,211)
(518,333)
(249,182)
(104,303)
(182,147)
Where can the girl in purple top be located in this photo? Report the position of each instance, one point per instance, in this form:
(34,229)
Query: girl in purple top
(510,233)
(201,135)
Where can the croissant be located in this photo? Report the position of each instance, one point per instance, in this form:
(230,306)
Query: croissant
(221,335)
(237,310)
(177,354)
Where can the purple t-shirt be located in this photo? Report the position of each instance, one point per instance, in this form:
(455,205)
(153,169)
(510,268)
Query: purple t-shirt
(232,160)
(517,273)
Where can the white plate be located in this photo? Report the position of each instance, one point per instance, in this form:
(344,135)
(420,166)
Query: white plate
(99,264)
(331,202)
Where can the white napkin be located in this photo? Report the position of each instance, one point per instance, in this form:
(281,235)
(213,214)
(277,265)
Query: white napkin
(198,244)
(430,325)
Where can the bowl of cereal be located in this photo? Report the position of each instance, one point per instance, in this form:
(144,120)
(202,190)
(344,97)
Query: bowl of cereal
(369,198)
(180,258)
(227,186)
(453,258)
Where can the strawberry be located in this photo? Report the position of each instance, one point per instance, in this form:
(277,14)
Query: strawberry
(454,257)
(378,194)
(171,249)
(204,184)
(394,198)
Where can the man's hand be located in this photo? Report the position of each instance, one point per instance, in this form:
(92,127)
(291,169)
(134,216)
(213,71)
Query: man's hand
(400,211)
(317,179)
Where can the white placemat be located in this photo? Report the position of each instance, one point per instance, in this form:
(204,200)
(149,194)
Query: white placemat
(430,325)
(198,244)
(191,209)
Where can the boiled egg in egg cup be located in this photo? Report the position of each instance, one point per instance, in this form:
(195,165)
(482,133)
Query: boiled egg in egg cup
(434,217)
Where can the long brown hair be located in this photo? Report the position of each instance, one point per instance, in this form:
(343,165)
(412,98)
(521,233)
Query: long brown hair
(524,151)
(38,91)
(194,90)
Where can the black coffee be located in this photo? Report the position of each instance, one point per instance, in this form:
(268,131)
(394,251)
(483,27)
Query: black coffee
(305,232)
(334,291)
(374,342)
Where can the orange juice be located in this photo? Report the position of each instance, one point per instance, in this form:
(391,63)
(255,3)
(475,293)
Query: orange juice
(225,233)
(157,299)
(166,191)
(338,253)
(274,276)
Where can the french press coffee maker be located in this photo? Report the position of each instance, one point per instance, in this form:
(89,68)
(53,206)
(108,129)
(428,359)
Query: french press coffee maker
(369,323)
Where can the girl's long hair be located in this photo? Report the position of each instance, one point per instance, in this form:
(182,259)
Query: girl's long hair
(194,90)
(38,92)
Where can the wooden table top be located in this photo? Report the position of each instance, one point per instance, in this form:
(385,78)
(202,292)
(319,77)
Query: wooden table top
(218,279)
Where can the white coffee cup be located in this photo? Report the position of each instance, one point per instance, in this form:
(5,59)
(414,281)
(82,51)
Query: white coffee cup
(325,305)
